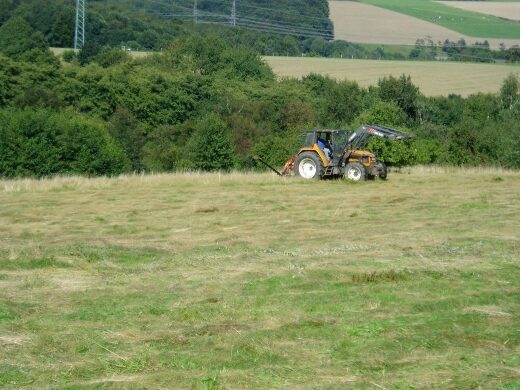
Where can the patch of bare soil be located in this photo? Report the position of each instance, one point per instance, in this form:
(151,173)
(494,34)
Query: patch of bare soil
(504,10)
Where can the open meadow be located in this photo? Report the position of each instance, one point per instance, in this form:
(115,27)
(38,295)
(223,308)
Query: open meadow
(239,281)
(433,78)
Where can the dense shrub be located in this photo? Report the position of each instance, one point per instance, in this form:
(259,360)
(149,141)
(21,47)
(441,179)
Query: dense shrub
(41,143)
(210,146)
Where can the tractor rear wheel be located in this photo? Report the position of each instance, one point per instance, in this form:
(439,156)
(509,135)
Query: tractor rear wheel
(384,172)
(308,166)
(355,171)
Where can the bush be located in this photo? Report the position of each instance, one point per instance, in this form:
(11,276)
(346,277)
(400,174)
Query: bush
(400,91)
(40,143)
(408,152)
(381,113)
(210,146)
(69,56)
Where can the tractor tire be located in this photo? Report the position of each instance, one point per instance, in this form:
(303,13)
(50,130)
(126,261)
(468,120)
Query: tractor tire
(384,172)
(355,171)
(308,166)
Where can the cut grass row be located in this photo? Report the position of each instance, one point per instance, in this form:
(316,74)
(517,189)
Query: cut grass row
(466,22)
(251,281)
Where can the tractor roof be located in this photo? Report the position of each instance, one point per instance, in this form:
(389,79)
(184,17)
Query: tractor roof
(326,130)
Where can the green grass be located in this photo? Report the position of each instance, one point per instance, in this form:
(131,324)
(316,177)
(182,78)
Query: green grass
(133,282)
(466,22)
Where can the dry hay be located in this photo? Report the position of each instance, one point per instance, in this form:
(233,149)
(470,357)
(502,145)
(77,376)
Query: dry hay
(504,10)
(362,23)
(433,78)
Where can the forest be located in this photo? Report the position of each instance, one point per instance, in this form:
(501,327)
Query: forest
(206,104)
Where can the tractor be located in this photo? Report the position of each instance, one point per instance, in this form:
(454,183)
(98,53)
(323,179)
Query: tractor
(339,153)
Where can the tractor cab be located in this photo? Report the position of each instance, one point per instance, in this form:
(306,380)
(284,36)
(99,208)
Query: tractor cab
(334,140)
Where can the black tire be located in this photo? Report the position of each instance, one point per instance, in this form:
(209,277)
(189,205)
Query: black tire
(384,172)
(308,166)
(355,171)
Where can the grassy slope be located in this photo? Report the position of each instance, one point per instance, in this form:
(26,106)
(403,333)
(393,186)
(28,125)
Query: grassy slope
(433,78)
(466,22)
(254,281)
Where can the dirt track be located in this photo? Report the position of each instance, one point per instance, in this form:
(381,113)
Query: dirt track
(356,22)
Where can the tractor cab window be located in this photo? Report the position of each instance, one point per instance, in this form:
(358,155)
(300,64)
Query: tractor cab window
(340,140)
(309,140)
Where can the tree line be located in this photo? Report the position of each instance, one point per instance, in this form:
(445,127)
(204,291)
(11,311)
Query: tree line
(205,104)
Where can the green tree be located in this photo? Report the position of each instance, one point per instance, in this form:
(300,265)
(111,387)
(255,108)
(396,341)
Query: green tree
(41,143)
(342,102)
(9,72)
(17,37)
(89,52)
(110,56)
(128,132)
(509,93)
(400,91)
(382,113)
(166,148)
(210,146)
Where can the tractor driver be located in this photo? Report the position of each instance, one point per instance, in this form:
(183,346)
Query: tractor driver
(325,146)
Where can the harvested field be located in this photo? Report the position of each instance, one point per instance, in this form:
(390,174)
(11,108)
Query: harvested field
(433,78)
(364,23)
(506,10)
(131,282)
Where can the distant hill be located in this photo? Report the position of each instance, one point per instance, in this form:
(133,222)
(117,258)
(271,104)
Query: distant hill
(152,25)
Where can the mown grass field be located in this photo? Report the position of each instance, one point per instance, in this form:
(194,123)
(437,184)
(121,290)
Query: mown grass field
(251,281)
(433,78)
(464,21)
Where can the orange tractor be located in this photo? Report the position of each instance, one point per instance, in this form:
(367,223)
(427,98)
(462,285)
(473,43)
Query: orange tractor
(339,153)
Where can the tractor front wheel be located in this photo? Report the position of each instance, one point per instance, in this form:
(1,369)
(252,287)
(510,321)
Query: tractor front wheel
(308,166)
(355,171)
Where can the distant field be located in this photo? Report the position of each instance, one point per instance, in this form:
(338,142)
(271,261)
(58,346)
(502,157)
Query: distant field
(434,78)
(507,10)
(249,281)
(466,22)
(365,23)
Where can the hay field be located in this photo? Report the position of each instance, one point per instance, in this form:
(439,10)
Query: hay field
(251,281)
(366,23)
(433,78)
(507,10)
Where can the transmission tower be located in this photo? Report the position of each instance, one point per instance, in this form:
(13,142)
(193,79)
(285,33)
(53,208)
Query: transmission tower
(195,12)
(233,20)
(79,35)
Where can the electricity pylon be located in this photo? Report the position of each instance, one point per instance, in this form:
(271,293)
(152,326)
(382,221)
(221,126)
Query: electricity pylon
(79,35)
(233,20)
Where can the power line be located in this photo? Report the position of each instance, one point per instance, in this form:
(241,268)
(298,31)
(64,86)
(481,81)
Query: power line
(79,34)
(267,25)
